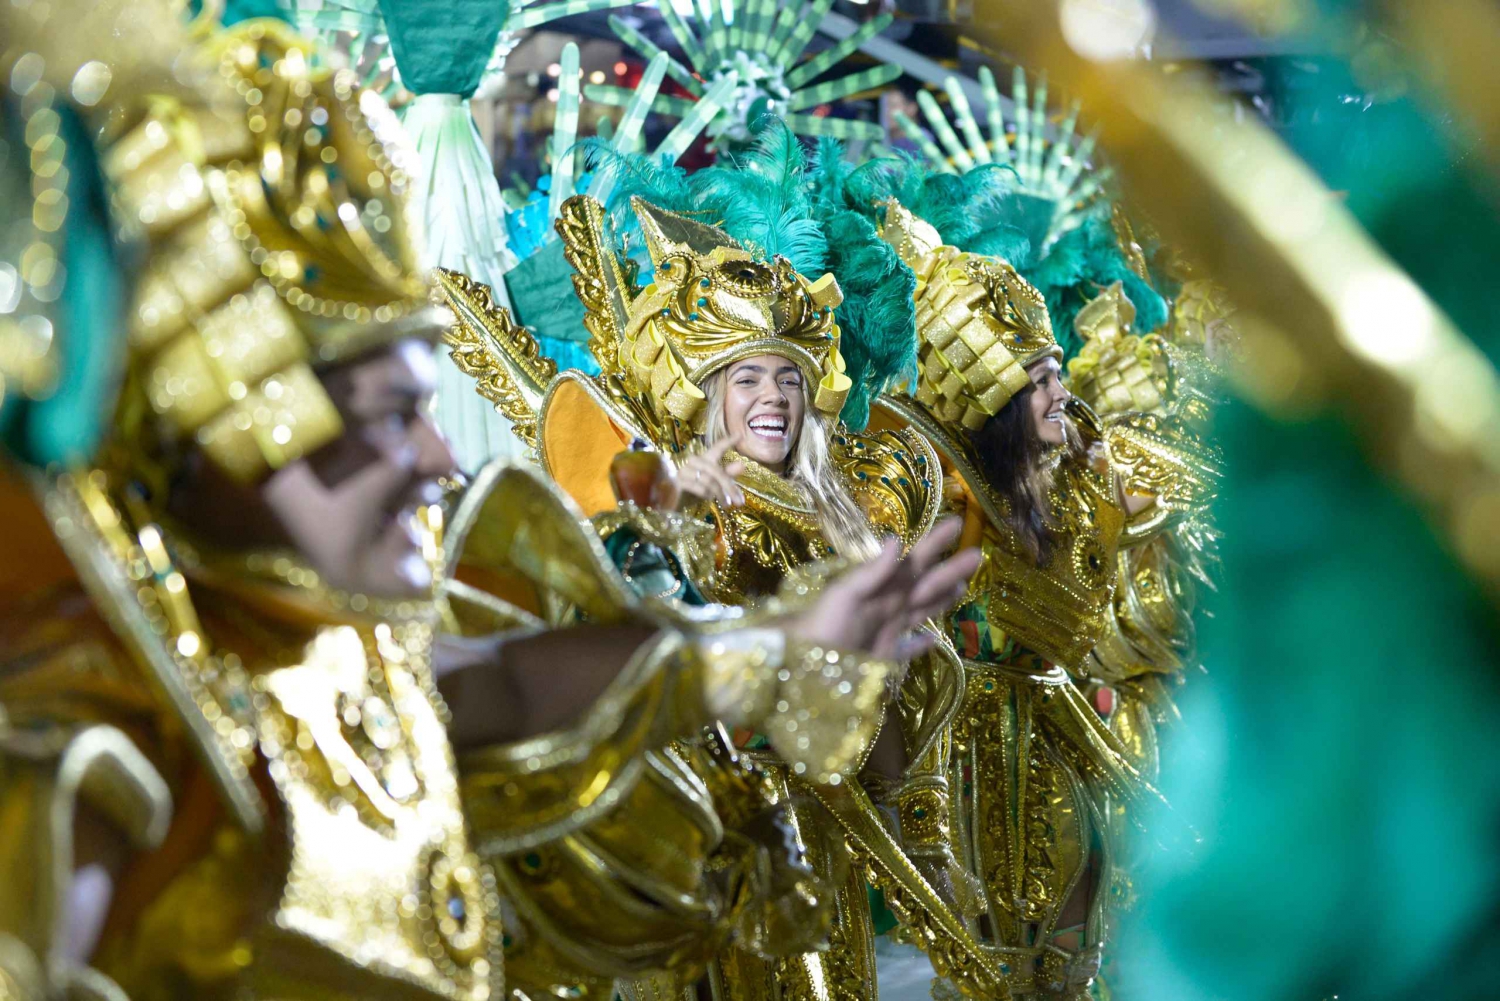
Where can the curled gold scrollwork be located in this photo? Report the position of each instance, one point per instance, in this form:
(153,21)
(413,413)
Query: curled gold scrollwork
(503,358)
(580,224)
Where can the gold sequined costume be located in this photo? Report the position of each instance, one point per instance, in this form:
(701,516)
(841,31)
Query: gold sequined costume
(1042,773)
(276,749)
(1167,382)
(279,748)
(711,302)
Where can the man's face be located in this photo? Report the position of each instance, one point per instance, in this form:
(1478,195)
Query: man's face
(349,508)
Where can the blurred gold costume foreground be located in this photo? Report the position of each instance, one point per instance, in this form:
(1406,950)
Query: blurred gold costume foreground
(828,628)
(229,766)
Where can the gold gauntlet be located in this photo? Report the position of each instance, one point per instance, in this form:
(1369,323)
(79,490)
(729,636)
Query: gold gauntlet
(820,708)
(921,806)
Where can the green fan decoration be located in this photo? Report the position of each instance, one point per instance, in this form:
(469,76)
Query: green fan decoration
(540,287)
(757,45)
(1047,190)
(1054,170)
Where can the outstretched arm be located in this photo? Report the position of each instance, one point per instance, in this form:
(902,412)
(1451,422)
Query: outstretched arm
(514,686)
(511,687)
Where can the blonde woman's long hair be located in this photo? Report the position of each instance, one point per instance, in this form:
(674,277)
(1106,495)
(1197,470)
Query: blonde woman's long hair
(810,467)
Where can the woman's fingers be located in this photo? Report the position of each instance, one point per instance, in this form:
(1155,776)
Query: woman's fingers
(931,546)
(716,451)
(939,583)
(730,493)
(706,481)
(913,645)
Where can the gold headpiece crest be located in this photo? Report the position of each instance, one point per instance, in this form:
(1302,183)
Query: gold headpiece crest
(712,302)
(979,323)
(280,238)
(1115,370)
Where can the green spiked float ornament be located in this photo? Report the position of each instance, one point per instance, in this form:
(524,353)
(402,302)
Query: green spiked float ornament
(757,44)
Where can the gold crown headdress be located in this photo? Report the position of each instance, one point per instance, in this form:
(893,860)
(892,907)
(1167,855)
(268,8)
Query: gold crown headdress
(1118,370)
(711,303)
(280,239)
(979,323)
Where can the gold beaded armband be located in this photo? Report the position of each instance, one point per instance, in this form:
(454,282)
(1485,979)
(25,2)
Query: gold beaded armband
(819,707)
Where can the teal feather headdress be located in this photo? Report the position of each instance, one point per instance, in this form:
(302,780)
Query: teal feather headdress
(982,212)
(772,201)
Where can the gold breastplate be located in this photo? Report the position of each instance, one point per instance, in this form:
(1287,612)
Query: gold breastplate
(373,890)
(761,542)
(1059,609)
(381,881)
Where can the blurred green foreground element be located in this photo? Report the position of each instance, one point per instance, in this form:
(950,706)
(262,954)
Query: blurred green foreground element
(1340,758)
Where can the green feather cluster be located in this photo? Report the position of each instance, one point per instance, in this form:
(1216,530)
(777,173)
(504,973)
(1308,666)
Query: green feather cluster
(981,212)
(771,201)
(974,211)
(1080,264)
(878,317)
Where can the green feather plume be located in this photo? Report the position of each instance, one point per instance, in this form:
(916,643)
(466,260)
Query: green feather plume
(980,211)
(976,211)
(1080,265)
(761,199)
(878,318)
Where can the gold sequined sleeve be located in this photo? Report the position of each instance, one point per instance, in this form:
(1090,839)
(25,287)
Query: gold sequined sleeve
(818,707)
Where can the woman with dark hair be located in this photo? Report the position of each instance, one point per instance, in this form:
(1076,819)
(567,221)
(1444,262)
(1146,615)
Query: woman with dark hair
(1048,494)
(1018,450)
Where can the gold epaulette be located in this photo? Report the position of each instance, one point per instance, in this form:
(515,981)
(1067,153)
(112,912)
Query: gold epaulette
(131,578)
(896,477)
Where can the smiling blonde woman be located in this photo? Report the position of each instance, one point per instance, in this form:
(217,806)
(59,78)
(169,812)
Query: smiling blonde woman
(728,363)
(759,407)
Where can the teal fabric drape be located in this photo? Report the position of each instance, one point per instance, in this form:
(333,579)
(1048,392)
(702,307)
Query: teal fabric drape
(441,53)
(443,48)
(66,423)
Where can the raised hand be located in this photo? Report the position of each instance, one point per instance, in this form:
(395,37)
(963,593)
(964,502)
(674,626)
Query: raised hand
(876,606)
(702,476)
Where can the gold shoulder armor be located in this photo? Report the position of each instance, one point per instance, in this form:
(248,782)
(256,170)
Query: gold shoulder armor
(896,477)
(131,578)
(518,536)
